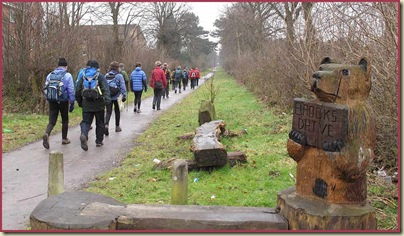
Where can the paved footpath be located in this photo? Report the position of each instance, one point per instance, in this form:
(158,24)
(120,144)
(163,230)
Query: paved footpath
(25,171)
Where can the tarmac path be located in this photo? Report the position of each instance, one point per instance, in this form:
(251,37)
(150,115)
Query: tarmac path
(25,170)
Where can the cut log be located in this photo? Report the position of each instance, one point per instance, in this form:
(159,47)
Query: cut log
(233,159)
(236,157)
(168,164)
(207,149)
(206,113)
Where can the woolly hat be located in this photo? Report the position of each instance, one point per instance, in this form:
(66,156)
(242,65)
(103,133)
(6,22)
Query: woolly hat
(158,63)
(94,64)
(62,62)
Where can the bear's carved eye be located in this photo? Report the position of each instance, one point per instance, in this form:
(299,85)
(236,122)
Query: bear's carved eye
(345,72)
(321,68)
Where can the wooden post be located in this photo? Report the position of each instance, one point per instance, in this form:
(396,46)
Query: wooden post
(56,173)
(179,183)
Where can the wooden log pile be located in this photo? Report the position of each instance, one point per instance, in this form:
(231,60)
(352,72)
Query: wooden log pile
(207,149)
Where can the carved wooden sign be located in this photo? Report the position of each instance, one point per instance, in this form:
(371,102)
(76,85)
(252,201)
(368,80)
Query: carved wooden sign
(319,121)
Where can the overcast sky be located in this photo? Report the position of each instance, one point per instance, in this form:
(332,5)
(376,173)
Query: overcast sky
(208,12)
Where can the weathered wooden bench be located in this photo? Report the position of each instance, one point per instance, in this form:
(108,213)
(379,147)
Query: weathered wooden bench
(91,211)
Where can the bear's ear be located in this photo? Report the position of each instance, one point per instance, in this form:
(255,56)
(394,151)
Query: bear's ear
(326,60)
(364,63)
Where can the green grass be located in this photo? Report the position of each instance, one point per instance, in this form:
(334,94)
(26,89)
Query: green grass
(253,184)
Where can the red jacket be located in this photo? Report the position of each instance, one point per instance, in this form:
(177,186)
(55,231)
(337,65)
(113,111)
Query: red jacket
(158,75)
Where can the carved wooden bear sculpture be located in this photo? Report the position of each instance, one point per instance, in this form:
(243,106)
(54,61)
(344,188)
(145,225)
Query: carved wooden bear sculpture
(336,170)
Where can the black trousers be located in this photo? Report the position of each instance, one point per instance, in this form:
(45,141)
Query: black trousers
(109,112)
(99,124)
(138,98)
(185,83)
(157,97)
(54,109)
(166,91)
(193,83)
(177,85)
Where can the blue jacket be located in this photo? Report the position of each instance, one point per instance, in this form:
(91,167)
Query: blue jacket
(121,84)
(67,81)
(138,80)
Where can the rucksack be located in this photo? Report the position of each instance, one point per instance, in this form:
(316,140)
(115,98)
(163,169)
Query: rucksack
(185,74)
(178,73)
(91,90)
(113,84)
(193,75)
(55,90)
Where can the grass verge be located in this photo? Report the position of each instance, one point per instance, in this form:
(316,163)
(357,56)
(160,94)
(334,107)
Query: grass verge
(269,169)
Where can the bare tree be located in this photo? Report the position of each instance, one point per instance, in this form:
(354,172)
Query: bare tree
(163,25)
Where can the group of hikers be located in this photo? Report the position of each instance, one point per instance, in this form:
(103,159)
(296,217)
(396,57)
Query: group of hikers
(96,93)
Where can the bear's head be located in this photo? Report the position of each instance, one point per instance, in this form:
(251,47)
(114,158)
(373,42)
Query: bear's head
(339,83)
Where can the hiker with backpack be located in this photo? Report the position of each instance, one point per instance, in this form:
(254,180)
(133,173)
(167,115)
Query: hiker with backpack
(138,83)
(59,92)
(185,76)
(166,90)
(117,87)
(158,82)
(92,95)
(177,79)
(193,76)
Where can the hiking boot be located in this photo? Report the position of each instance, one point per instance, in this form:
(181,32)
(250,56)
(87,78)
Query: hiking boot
(45,142)
(154,107)
(83,142)
(118,129)
(106,131)
(99,144)
(134,110)
(168,96)
(158,109)
(65,141)
(138,111)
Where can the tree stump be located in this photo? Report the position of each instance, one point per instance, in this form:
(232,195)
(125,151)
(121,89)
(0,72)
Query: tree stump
(313,214)
(206,113)
(207,149)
